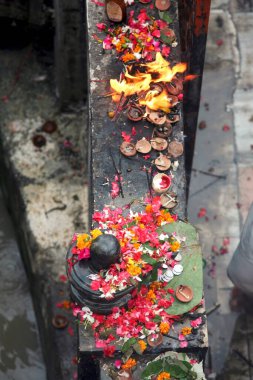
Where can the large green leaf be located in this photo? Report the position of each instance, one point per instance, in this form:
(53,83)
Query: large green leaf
(192,262)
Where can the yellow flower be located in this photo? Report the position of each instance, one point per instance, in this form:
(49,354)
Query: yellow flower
(129,363)
(142,345)
(83,241)
(149,208)
(164,327)
(163,376)
(186,331)
(95,233)
(134,270)
(175,246)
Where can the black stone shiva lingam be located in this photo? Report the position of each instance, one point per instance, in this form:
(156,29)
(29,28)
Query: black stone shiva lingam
(104,251)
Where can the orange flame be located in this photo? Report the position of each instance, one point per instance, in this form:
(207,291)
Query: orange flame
(154,72)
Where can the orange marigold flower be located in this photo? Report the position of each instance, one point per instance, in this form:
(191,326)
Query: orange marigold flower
(151,295)
(163,376)
(142,345)
(83,241)
(155,285)
(129,363)
(95,233)
(128,57)
(164,327)
(186,331)
(175,246)
(149,208)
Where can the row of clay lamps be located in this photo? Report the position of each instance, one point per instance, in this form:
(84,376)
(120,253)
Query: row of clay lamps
(174,148)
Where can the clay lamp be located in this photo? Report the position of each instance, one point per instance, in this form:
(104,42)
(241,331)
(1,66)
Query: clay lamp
(184,293)
(128,149)
(135,113)
(173,100)
(162,163)
(173,118)
(175,87)
(59,321)
(168,200)
(159,144)
(161,183)
(157,87)
(168,32)
(125,374)
(155,340)
(162,5)
(115,10)
(156,117)
(49,126)
(143,146)
(175,149)
(163,131)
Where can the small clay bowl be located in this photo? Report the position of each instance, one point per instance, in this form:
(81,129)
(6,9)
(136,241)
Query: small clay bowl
(175,87)
(143,146)
(159,144)
(59,321)
(163,131)
(162,163)
(173,118)
(135,113)
(125,374)
(175,149)
(168,32)
(156,118)
(128,149)
(155,342)
(157,87)
(162,5)
(161,183)
(168,200)
(184,293)
(173,100)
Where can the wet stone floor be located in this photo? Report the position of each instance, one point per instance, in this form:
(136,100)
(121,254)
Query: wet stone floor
(20,352)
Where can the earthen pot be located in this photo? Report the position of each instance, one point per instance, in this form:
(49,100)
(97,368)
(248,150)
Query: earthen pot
(135,113)
(175,149)
(143,146)
(159,143)
(162,5)
(161,183)
(125,374)
(175,87)
(163,131)
(155,342)
(162,163)
(128,149)
(168,200)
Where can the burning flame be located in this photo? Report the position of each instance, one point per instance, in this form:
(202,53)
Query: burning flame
(155,101)
(154,72)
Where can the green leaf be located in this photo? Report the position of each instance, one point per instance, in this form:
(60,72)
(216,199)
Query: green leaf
(148,259)
(167,40)
(157,318)
(165,16)
(137,348)
(192,274)
(153,368)
(129,343)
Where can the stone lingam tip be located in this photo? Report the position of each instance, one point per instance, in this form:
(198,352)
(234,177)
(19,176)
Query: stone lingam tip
(104,251)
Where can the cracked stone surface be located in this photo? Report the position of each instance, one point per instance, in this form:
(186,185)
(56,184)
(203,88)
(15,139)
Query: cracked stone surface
(46,191)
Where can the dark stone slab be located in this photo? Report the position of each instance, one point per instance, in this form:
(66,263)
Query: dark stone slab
(105,139)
